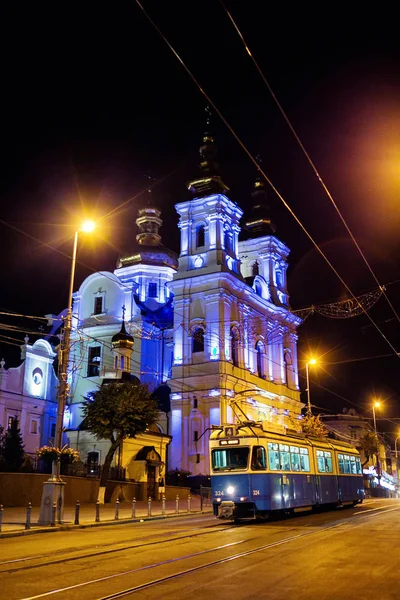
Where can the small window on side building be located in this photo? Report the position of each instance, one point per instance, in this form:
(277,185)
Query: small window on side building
(98,305)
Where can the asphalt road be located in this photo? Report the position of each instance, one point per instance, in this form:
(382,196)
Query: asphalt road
(343,554)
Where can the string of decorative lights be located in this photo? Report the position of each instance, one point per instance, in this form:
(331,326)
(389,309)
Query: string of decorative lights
(310,161)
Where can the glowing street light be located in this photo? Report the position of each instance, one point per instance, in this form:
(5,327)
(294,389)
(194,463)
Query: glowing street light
(395,444)
(312,361)
(375,405)
(53,491)
(88,226)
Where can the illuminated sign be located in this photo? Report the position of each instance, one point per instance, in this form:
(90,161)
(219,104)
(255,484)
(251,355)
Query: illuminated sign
(229,442)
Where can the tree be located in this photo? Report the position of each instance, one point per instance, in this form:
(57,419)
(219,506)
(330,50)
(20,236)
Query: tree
(312,425)
(118,411)
(369,444)
(13,447)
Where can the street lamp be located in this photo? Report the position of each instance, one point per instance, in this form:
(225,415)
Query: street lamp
(312,361)
(375,405)
(63,388)
(53,489)
(395,445)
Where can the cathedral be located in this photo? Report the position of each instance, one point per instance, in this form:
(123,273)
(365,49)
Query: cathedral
(209,331)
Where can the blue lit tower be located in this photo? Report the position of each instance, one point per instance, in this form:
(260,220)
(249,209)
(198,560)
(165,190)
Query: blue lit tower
(234,334)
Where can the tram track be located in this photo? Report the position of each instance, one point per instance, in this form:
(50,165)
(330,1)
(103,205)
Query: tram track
(87,589)
(115,547)
(182,573)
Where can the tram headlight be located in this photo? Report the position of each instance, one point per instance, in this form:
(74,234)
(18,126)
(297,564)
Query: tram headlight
(230,489)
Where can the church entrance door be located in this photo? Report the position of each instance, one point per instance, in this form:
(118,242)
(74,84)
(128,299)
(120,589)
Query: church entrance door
(151,481)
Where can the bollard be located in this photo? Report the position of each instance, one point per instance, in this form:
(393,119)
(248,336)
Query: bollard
(1,515)
(163,505)
(116,510)
(134,508)
(53,515)
(189,502)
(77,509)
(177,504)
(97,519)
(149,507)
(28,516)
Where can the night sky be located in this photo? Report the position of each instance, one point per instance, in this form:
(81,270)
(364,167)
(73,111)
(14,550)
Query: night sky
(95,106)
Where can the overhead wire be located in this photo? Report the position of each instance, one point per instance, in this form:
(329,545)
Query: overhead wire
(260,169)
(309,159)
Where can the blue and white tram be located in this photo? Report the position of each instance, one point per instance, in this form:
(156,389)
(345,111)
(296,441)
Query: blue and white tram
(255,472)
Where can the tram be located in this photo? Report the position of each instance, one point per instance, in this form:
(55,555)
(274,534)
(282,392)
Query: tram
(256,472)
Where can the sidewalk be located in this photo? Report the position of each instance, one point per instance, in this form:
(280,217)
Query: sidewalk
(14,518)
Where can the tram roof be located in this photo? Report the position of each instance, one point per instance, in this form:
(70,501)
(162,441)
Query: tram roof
(257,430)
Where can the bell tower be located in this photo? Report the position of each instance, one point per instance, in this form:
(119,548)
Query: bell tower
(209,223)
(122,345)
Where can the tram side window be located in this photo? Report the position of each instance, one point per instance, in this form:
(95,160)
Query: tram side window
(285,457)
(347,464)
(304,459)
(320,461)
(273,457)
(324,461)
(295,458)
(328,462)
(258,459)
(341,463)
(344,464)
(359,468)
(353,465)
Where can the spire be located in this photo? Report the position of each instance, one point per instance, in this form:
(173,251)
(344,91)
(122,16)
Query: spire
(148,223)
(259,222)
(122,339)
(209,181)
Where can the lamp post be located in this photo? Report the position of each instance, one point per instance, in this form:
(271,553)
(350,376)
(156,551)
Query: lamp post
(378,466)
(395,445)
(53,489)
(312,361)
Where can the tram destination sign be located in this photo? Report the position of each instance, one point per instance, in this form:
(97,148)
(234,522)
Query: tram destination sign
(230,442)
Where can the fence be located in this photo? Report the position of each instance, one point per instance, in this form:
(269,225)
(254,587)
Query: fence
(205,497)
(26,517)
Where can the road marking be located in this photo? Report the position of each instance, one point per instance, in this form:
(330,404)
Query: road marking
(362,512)
(165,562)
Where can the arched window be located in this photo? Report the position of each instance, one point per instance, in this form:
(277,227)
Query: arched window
(200,236)
(256,269)
(116,362)
(228,241)
(287,357)
(198,340)
(122,362)
(258,288)
(260,359)
(234,347)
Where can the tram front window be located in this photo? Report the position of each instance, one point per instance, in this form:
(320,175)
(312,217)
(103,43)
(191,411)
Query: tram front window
(229,459)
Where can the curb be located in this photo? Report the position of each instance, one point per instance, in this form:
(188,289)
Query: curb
(72,527)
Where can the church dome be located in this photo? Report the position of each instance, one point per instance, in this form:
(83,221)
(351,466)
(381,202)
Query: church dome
(122,339)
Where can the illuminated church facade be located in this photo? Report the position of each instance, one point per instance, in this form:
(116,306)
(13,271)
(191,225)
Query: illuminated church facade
(210,331)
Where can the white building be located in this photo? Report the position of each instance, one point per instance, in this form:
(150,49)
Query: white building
(28,393)
(216,328)
(235,340)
